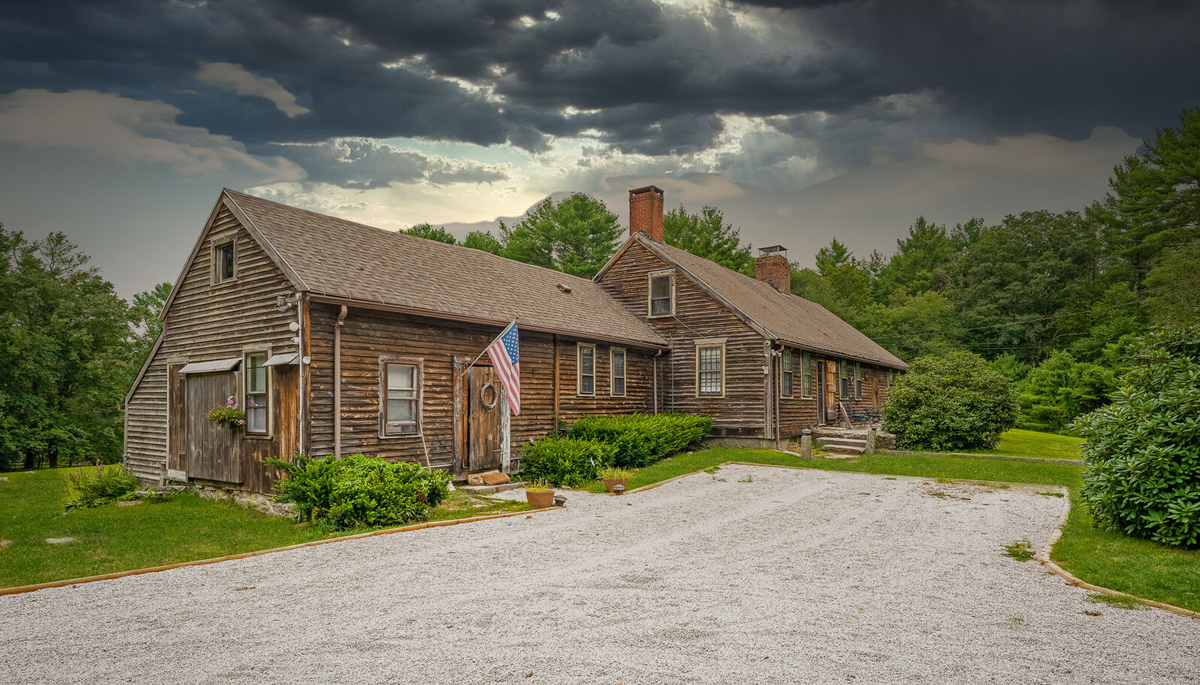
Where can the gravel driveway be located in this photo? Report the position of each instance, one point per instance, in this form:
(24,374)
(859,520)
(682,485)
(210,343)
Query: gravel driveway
(751,575)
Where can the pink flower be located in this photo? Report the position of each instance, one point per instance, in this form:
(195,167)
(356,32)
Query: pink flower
(241,422)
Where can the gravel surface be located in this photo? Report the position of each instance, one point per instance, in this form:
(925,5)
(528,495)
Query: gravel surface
(751,575)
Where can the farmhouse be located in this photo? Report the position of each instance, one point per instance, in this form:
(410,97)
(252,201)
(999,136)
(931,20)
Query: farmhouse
(338,338)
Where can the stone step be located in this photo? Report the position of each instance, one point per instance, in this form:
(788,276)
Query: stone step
(844,449)
(850,442)
(491,489)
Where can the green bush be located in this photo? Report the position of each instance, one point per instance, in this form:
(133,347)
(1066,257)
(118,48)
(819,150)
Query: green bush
(1059,389)
(99,485)
(642,439)
(1143,449)
(951,402)
(565,461)
(360,491)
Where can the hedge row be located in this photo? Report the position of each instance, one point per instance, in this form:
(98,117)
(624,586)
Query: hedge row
(566,461)
(642,439)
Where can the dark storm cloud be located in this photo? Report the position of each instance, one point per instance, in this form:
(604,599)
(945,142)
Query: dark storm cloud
(364,163)
(644,78)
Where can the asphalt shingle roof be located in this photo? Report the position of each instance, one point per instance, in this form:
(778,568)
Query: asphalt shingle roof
(340,258)
(784,316)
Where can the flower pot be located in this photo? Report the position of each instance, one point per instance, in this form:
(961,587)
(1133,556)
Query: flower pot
(610,483)
(540,500)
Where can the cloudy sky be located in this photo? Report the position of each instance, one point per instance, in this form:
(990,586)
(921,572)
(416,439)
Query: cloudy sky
(120,120)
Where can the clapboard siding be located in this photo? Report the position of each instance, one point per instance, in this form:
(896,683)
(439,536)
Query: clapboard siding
(209,321)
(743,409)
(368,335)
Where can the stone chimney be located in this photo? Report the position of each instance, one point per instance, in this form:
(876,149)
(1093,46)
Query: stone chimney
(772,267)
(646,212)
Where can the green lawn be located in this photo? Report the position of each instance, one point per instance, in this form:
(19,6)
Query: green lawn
(182,528)
(1111,560)
(1023,443)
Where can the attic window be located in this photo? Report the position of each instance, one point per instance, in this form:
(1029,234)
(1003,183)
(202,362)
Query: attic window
(661,294)
(565,288)
(224,260)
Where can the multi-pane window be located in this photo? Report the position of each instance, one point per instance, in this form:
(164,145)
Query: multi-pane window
(858,380)
(785,386)
(806,374)
(710,362)
(844,373)
(661,295)
(617,366)
(402,399)
(223,263)
(587,369)
(256,394)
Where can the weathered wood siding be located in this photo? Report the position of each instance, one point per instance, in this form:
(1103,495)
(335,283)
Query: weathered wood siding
(369,335)
(799,412)
(207,322)
(743,410)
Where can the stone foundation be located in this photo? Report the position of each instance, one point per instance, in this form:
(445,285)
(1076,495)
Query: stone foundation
(249,500)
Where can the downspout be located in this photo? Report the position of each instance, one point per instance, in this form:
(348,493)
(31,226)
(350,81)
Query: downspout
(337,383)
(777,377)
(301,399)
(654,377)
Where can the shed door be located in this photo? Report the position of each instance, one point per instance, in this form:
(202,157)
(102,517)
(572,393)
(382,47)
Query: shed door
(485,433)
(176,419)
(214,453)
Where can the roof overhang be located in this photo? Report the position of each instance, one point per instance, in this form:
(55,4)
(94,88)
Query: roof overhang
(446,316)
(214,366)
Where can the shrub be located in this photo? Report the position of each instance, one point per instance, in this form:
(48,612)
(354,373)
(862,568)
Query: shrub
(99,485)
(360,491)
(1060,389)
(565,461)
(951,402)
(1143,449)
(642,439)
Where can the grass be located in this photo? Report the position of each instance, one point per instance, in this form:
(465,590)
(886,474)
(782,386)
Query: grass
(1021,550)
(181,528)
(1023,443)
(1105,558)
(1119,601)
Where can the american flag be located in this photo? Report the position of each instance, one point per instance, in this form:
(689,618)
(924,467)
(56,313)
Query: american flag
(506,357)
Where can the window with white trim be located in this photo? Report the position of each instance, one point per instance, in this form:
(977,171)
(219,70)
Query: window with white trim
(785,365)
(401,390)
(710,369)
(586,366)
(616,358)
(256,378)
(662,294)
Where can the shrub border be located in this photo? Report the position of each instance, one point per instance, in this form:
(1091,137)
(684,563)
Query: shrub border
(21,589)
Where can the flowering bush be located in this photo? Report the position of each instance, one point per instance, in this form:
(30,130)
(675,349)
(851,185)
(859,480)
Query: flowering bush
(229,415)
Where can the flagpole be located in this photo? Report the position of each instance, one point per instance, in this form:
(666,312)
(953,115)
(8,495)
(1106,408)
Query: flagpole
(485,349)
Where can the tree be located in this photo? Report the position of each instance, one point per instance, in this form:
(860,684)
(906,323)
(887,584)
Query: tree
(577,236)
(429,232)
(64,355)
(147,305)
(482,240)
(708,235)
(1060,389)
(1174,286)
(832,256)
(951,402)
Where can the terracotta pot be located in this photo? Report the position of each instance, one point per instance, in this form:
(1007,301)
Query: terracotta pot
(610,483)
(540,500)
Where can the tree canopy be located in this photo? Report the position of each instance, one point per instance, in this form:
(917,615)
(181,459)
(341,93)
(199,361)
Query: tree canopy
(708,235)
(576,236)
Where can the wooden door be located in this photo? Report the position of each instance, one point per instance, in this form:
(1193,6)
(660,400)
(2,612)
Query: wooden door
(831,391)
(485,432)
(176,421)
(214,453)
(821,393)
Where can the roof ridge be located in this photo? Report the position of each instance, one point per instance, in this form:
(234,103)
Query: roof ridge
(400,234)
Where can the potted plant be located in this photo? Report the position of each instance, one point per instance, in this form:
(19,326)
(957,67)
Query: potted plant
(229,415)
(613,477)
(539,494)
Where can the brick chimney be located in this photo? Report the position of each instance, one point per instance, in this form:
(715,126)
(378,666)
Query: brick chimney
(772,267)
(646,212)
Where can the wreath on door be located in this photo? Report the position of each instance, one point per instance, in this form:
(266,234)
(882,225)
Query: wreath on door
(490,385)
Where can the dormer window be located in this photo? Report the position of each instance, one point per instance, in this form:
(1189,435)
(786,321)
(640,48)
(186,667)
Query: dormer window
(662,294)
(224,262)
